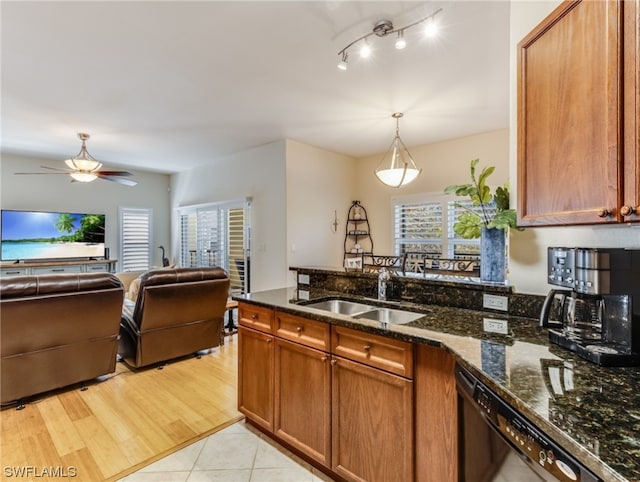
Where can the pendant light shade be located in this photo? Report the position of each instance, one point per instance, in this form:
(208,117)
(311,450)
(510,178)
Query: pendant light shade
(397,168)
(83,163)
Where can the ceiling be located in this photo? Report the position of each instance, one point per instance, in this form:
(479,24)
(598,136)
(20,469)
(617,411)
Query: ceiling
(165,86)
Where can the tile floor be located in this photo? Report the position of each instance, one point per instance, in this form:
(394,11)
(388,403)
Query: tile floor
(238,453)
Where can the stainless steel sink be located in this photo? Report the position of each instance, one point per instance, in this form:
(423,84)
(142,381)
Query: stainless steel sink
(387,315)
(370,312)
(341,306)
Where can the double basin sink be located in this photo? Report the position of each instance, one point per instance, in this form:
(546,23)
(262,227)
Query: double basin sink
(362,310)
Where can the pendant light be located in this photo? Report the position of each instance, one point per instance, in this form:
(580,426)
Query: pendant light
(397,168)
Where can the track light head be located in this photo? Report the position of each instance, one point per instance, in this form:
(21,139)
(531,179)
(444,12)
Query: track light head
(343,65)
(400,41)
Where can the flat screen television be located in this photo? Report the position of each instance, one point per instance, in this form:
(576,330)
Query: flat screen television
(39,235)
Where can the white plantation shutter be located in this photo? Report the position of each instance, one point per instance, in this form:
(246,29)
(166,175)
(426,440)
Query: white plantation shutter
(424,224)
(418,228)
(217,235)
(135,238)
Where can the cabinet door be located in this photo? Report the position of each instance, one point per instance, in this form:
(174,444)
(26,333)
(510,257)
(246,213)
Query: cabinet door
(569,117)
(372,423)
(303,399)
(631,201)
(436,416)
(256,376)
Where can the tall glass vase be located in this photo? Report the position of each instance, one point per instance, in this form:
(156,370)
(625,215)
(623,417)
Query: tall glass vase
(493,256)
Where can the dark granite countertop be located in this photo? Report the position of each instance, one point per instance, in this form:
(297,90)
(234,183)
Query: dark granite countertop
(591,411)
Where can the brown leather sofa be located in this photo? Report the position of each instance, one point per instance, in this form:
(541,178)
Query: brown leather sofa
(56,330)
(177,312)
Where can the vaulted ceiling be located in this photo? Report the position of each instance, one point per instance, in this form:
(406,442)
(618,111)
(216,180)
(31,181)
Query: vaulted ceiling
(169,85)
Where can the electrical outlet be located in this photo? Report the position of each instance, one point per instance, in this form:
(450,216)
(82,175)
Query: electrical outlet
(303,279)
(495,302)
(491,325)
(303,295)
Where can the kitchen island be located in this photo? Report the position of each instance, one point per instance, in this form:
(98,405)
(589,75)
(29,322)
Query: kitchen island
(592,412)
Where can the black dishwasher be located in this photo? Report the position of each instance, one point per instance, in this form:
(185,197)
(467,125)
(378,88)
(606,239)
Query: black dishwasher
(496,443)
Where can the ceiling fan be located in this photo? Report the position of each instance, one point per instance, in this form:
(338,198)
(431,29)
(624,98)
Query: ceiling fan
(84,168)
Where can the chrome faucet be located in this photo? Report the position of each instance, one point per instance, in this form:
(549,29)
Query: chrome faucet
(383,276)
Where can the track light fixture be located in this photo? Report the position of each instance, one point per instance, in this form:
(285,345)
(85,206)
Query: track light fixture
(384,28)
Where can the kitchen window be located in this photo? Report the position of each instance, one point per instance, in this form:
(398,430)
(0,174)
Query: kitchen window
(424,224)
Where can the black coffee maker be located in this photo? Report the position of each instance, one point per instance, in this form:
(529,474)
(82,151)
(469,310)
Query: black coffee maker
(597,314)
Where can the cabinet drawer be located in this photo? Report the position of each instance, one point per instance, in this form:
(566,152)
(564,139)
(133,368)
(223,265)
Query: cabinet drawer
(256,317)
(311,333)
(97,268)
(394,356)
(74,268)
(13,272)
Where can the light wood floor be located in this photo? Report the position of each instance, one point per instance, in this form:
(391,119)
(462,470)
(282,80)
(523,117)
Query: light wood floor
(124,422)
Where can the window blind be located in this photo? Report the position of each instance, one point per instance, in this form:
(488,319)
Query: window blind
(135,242)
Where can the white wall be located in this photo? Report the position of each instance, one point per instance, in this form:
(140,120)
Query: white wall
(319,183)
(57,193)
(257,173)
(442,164)
(529,248)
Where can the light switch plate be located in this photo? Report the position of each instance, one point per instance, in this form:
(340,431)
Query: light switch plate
(491,325)
(303,295)
(303,279)
(495,302)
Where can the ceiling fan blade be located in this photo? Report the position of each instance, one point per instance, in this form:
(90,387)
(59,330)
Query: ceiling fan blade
(56,169)
(114,173)
(119,180)
(45,173)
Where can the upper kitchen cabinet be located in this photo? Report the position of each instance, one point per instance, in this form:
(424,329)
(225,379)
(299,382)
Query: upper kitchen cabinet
(578,108)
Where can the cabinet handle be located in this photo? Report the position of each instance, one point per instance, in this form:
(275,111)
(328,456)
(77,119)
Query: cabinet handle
(323,359)
(366,347)
(299,329)
(269,340)
(603,213)
(334,362)
(627,210)
(58,270)
(254,317)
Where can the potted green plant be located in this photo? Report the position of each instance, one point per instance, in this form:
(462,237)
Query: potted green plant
(490,223)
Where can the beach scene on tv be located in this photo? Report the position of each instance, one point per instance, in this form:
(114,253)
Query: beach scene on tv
(28,235)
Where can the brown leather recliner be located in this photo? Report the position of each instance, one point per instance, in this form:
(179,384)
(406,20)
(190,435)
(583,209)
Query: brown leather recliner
(177,312)
(56,330)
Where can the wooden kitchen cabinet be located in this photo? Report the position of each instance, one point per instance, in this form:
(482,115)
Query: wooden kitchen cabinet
(372,406)
(578,109)
(436,416)
(303,399)
(256,376)
(372,423)
(342,398)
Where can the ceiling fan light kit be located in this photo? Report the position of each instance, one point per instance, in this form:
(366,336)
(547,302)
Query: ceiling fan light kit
(84,168)
(384,28)
(83,162)
(397,168)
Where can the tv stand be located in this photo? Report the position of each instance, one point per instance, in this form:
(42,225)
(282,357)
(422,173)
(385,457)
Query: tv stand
(18,268)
